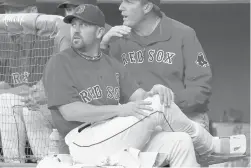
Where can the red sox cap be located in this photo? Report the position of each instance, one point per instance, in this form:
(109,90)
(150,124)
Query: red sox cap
(17,3)
(77,2)
(88,13)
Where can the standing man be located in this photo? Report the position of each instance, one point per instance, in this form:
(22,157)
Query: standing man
(20,74)
(160,50)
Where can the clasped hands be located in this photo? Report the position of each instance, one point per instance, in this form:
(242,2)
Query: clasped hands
(34,97)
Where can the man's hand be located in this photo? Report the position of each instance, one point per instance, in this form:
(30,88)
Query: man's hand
(136,109)
(35,96)
(166,94)
(35,99)
(114,33)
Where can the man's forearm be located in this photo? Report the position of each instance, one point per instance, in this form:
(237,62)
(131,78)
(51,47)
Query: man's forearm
(79,111)
(10,90)
(104,45)
(4,85)
(19,90)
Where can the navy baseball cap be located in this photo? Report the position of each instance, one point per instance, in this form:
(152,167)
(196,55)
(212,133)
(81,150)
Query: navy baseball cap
(17,3)
(77,3)
(88,13)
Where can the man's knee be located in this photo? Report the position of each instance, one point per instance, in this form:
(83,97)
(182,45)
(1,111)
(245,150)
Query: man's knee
(185,140)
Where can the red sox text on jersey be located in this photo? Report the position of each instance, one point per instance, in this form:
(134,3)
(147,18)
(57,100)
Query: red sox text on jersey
(159,56)
(95,92)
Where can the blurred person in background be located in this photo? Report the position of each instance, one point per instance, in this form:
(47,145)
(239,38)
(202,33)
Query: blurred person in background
(20,83)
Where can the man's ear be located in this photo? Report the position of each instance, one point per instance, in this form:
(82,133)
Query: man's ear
(148,7)
(100,32)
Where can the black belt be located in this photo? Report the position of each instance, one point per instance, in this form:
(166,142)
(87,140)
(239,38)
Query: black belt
(84,127)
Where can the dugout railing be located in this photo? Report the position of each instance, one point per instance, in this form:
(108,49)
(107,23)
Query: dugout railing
(27,41)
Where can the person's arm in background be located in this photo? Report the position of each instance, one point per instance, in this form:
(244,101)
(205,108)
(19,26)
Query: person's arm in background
(63,37)
(197,76)
(4,85)
(15,90)
(112,35)
(107,27)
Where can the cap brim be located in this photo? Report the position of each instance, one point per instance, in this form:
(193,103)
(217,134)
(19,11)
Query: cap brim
(63,5)
(68,18)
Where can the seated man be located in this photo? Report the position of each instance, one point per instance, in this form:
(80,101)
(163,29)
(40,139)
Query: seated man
(83,85)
